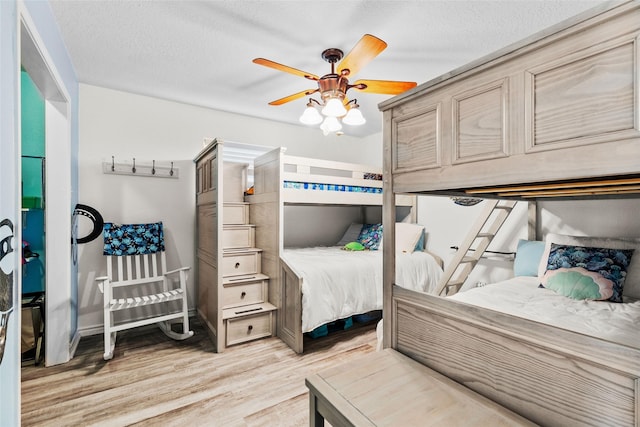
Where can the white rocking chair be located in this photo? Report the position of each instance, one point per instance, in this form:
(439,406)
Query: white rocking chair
(137,277)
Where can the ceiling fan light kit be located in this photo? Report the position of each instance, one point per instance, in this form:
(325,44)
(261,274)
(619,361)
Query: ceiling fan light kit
(311,116)
(333,87)
(330,125)
(333,107)
(354,116)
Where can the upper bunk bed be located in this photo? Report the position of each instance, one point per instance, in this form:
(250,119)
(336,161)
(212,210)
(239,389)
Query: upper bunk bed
(294,180)
(556,116)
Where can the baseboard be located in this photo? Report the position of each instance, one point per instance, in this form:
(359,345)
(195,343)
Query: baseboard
(93,330)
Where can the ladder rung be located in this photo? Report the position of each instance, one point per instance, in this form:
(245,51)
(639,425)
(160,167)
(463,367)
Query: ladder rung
(484,235)
(455,283)
(468,259)
(506,208)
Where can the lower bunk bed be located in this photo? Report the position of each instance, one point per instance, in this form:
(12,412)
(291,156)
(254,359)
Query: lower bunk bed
(546,353)
(552,376)
(549,375)
(325,284)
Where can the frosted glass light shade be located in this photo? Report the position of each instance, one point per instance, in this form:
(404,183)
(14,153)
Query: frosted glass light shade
(330,124)
(334,108)
(310,116)
(354,117)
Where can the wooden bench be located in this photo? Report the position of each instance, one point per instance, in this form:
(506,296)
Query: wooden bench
(387,388)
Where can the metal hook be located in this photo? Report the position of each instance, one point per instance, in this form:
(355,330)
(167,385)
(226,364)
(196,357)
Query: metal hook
(133,169)
(171,171)
(113,164)
(153,168)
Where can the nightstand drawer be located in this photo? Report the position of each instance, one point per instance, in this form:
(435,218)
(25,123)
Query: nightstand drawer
(250,327)
(244,290)
(235,213)
(238,236)
(241,262)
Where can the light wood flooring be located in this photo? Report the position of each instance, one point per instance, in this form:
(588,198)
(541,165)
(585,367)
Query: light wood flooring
(155,381)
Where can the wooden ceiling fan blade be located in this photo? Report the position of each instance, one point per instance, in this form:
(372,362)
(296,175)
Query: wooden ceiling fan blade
(367,48)
(285,68)
(386,87)
(293,97)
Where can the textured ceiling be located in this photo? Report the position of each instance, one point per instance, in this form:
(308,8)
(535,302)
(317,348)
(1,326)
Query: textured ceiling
(200,52)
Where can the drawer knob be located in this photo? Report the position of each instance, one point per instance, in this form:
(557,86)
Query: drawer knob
(237,264)
(243,294)
(249,329)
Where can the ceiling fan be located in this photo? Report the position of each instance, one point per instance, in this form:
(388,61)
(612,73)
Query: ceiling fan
(333,87)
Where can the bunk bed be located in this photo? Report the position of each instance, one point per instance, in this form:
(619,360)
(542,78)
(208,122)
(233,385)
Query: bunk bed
(556,116)
(281,181)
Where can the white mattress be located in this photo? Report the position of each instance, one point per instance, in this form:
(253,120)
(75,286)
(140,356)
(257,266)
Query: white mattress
(520,296)
(338,284)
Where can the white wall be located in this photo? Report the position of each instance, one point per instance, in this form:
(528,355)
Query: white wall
(447,225)
(10,271)
(126,125)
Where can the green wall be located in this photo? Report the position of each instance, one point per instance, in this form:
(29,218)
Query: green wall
(32,118)
(33,151)
(32,142)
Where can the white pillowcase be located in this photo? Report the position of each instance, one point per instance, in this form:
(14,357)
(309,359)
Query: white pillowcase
(632,282)
(407,236)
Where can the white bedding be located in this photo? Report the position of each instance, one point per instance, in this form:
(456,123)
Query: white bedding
(338,284)
(520,296)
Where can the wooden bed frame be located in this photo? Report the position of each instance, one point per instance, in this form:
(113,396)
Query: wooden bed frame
(271,171)
(516,125)
(550,376)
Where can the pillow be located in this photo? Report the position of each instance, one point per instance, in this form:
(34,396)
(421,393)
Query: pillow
(632,282)
(420,245)
(408,236)
(528,254)
(587,273)
(351,235)
(370,236)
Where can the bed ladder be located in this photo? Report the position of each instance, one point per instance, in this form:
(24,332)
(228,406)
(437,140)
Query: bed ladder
(473,247)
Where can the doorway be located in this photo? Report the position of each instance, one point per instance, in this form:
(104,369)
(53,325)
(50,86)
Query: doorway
(55,203)
(32,116)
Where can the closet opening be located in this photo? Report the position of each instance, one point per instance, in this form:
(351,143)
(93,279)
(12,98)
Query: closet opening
(49,316)
(33,184)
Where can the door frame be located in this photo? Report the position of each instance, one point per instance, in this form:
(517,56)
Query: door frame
(58,284)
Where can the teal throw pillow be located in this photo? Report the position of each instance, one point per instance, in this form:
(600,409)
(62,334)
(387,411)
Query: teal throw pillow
(527,259)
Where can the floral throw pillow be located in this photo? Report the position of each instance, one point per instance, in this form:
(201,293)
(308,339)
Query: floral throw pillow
(370,236)
(132,239)
(587,273)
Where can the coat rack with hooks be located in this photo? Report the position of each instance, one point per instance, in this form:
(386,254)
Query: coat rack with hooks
(136,169)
